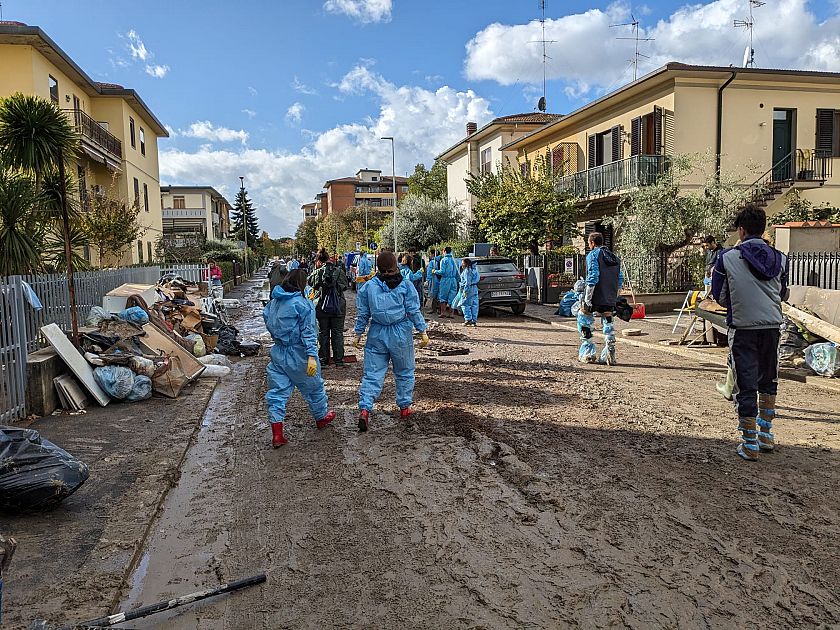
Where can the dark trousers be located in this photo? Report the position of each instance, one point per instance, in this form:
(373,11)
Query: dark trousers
(754,361)
(330,330)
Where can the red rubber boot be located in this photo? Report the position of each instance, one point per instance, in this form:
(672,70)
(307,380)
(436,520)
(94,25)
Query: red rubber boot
(323,422)
(364,419)
(405,413)
(277,437)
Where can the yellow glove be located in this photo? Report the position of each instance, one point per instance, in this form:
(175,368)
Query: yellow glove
(357,342)
(312,366)
(424,340)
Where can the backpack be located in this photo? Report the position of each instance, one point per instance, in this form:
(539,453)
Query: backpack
(331,303)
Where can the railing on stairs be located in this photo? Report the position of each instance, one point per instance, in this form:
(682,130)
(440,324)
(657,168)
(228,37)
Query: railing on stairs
(803,165)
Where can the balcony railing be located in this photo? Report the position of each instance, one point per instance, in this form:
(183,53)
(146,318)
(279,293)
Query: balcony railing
(95,132)
(615,177)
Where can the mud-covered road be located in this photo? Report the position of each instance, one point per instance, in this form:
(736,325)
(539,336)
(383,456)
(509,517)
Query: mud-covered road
(528,491)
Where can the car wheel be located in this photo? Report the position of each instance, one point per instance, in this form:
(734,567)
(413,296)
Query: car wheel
(518,309)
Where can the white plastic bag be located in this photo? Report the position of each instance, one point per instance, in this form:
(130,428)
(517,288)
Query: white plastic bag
(215,371)
(823,359)
(215,359)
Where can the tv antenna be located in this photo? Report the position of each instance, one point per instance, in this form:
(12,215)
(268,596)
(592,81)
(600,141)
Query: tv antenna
(749,24)
(543,105)
(637,39)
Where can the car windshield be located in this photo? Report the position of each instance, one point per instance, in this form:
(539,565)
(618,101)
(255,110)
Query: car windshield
(497,267)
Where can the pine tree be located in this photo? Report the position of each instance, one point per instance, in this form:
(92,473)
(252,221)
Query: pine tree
(242,209)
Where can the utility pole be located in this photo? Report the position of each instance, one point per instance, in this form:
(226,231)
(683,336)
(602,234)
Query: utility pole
(68,251)
(394,184)
(244,219)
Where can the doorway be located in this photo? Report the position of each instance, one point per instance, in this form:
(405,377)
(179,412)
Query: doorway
(783,144)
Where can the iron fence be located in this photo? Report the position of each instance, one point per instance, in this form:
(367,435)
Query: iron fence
(815,269)
(20,323)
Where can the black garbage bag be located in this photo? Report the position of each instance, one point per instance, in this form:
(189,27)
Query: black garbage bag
(35,474)
(228,341)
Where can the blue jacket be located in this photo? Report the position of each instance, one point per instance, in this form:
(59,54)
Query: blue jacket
(448,267)
(377,304)
(469,281)
(290,319)
(408,274)
(364,265)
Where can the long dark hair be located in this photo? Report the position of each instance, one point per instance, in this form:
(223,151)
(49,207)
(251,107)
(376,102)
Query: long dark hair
(294,281)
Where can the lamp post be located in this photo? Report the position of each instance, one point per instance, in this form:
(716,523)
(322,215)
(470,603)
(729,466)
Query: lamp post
(244,219)
(394,184)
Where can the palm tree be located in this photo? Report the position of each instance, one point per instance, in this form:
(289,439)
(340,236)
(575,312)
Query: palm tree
(21,233)
(36,138)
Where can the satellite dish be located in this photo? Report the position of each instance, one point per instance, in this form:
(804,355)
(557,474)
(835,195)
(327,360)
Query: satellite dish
(747,56)
(541,105)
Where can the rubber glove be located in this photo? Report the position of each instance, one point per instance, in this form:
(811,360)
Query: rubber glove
(587,299)
(312,366)
(357,342)
(424,340)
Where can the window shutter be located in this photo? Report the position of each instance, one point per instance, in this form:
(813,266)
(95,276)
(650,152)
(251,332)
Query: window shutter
(658,138)
(825,144)
(525,168)
(557,160)
(592,150)
(668,132)
(636,136)
(617,143)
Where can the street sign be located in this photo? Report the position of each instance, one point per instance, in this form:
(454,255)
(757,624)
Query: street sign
(358,246)
(373,246)
(570,265)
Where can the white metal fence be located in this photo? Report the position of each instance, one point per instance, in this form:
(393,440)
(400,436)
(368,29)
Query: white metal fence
(20,323)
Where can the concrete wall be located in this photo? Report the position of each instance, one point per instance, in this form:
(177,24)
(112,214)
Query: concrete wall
(803,239)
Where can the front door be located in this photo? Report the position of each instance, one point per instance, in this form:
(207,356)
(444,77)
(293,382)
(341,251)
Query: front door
(782,144)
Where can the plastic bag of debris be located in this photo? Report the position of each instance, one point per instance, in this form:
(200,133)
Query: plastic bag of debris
(792,343)
(823,359)
(135,315)
(115,380)
(35,474)
(97,315)
(215,359)
(141,390)
(228,342)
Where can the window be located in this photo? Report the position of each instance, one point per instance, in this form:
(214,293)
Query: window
(146,198)
(557,160)
(140,252)
(179,202)
(142,141)
(486,160)
(374,179)
(131,132)
(136,192)
(652,134)
(53,89)
(404,189)
(605,147)
(86,253)
(81,177)
(149,249)
(77,104)
(828,132)
(525,168)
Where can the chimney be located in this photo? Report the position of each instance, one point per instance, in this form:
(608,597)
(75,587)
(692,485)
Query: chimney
(471,128)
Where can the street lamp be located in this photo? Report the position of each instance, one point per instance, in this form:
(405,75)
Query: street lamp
(394,184)
(244,219)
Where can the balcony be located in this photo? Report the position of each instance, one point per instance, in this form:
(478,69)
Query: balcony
(615,177)
(97,142)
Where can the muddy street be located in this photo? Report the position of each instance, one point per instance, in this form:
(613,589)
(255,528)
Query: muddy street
(527,491)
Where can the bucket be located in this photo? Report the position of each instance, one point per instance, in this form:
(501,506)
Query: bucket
(638,311)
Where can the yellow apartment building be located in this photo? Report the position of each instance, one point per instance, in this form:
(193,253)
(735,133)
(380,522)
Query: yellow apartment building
(118,130)
(778,129)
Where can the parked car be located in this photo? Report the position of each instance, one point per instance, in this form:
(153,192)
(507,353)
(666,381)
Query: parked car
(501,284)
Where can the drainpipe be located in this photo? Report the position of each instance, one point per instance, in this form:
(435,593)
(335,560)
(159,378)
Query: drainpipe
(719,143)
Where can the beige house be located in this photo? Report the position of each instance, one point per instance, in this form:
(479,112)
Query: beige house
(194,212)
(119,132)
(481,150)
(779,129)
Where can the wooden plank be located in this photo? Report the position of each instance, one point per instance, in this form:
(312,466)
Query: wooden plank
(75,361)
(159,343)
(813,324)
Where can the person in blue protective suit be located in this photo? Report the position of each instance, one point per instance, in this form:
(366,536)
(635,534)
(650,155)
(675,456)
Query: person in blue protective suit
(469,285)
(603,282)
(290,319)
(448,287)
(412,276)
(390,305)
(432,280)
(364,267)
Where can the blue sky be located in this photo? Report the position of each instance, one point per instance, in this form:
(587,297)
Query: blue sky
(290,93)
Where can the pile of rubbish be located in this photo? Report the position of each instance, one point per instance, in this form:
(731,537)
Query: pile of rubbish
(809,342)
(147,339)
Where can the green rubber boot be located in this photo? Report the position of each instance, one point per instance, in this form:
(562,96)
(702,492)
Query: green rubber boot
(725,388)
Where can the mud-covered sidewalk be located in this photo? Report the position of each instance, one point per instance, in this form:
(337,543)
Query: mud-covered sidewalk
(527,491)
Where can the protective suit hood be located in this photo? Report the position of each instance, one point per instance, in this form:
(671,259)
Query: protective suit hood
(392,281)
(279,293)
(610,259)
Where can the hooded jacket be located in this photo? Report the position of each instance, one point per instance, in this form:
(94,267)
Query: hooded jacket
(322,280)
(290,319)
(603,271)
(750,280)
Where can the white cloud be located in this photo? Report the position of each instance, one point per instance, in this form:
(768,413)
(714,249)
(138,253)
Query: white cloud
(206,130)
(788,35)
(157,71)
(362,10)
(250,113)
(295,113)
(298,86)
(136,46)
(252,91)
(424,122)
